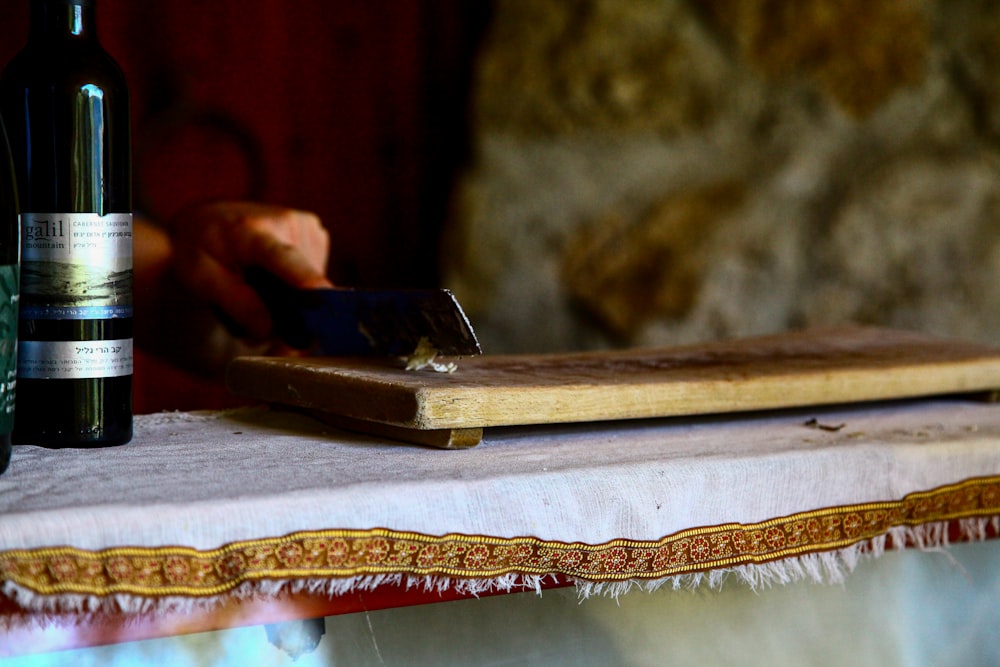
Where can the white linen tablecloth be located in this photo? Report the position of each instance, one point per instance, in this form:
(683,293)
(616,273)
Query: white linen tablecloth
(205,504)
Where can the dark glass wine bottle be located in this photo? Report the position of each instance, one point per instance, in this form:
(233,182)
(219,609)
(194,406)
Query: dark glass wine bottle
(9,253)
(65,102)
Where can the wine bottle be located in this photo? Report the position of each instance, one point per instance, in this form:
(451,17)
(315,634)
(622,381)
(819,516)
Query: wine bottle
(65,102)
(10,251)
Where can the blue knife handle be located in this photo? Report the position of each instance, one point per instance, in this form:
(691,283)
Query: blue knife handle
(285,304)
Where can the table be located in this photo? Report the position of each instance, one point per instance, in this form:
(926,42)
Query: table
(210,511)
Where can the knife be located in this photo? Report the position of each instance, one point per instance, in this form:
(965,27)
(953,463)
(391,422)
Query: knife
(365,322)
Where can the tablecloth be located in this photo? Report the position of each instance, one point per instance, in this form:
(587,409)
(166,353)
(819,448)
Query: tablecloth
(249,501)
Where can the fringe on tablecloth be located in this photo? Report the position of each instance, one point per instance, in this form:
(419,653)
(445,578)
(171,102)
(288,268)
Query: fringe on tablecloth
(831,567)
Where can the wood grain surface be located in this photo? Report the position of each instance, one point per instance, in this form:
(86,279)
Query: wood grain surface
(796,369)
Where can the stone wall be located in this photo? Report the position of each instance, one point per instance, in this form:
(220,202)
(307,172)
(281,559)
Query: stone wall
(667,171)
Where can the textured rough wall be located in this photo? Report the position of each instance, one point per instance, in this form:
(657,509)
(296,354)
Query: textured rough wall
(664,171)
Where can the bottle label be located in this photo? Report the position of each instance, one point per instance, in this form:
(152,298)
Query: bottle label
(74,360)
(76,266)
(8,344)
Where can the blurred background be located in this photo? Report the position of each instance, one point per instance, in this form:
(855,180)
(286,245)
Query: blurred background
(592,173)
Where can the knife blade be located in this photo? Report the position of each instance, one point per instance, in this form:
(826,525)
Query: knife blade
(365,322)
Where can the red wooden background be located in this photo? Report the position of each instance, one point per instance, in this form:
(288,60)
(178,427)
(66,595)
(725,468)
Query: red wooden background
(354,110)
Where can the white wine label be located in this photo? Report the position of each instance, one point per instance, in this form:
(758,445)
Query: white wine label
(76,265)
(8,344)
(74,360)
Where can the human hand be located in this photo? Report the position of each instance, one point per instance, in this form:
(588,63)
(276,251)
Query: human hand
(194,307)
(214,245)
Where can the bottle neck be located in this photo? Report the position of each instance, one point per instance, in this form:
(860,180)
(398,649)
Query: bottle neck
(63,19)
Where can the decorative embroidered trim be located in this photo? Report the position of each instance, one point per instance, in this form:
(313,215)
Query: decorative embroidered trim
(342,554)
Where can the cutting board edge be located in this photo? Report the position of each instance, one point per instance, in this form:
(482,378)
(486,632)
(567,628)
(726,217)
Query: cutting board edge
(439,408)
(249,377)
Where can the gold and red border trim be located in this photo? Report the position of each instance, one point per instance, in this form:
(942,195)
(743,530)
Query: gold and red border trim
(341,554)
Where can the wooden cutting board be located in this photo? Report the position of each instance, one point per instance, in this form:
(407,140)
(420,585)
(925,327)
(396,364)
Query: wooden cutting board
(449,410)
